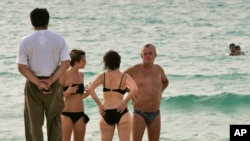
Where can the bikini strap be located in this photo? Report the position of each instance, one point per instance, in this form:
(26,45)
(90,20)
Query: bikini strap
(104,79)
(121,81)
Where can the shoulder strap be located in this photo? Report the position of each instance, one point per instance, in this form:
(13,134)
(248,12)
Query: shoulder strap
(121,81)
(104,79)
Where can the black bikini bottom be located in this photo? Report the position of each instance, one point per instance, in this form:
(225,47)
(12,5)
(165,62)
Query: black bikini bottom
(112,116)
(74,116)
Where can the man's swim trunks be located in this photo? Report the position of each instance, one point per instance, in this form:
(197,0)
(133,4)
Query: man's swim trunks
(148,116)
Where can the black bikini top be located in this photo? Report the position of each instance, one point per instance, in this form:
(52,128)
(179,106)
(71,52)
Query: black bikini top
(114,90)
(80,89)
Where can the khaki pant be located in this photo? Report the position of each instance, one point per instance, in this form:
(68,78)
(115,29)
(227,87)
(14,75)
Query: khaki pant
(36,105)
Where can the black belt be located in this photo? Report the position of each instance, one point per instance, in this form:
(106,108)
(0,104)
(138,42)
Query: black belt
(43,77)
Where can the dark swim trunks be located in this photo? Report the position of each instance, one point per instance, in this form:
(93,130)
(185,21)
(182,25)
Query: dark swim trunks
(112,116)
(147,116)
(75,116)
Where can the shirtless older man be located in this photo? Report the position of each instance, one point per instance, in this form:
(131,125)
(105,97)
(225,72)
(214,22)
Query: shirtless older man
(151,81)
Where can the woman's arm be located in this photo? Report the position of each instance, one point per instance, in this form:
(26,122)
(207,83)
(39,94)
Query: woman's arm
(132,92)
(92,87)
(132,88)
(91,91)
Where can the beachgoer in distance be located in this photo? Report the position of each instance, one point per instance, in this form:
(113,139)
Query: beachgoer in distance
(151,81)
(74,119)
(42,58)
(235,50)
(238,50)
(232,49)
(113,108)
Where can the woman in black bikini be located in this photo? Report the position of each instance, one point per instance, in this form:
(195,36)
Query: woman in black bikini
(74,119)
(113,109)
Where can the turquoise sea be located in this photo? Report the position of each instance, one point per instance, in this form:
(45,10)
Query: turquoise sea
(208,90)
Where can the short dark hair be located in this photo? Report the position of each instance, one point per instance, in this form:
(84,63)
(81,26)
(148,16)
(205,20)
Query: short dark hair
(111,60)
(76,56)
(237,47)
(231,45)
(39,17)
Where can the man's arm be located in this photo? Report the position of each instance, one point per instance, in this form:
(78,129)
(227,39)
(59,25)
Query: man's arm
(59,72)
(165,83)
(25,71)
(164,79)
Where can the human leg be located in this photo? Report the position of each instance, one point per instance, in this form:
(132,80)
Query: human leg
(67,127)
(33,113)
(154,129)
(107,131)
(54,105)
(79,129)
(77,122)
(124,127)
(138,127)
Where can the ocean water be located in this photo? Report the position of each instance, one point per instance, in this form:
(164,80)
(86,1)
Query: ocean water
(208,89)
